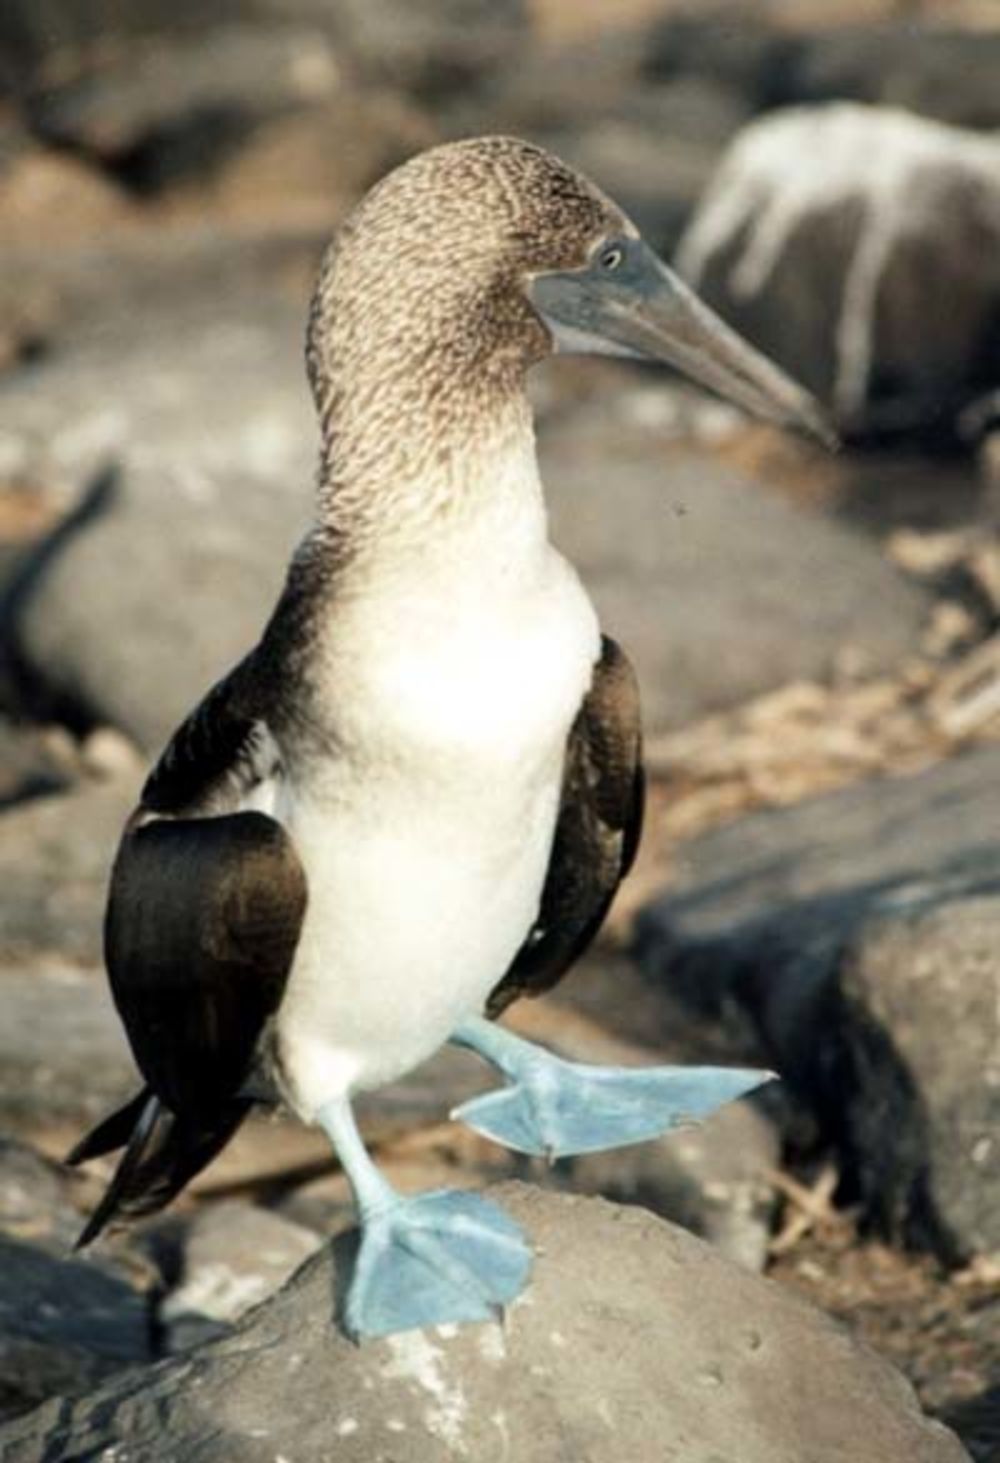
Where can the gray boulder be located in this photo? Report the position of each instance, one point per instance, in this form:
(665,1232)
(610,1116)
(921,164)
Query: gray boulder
(937,70)
(919,991)
(433,48)
(421,45)
(64,1325)
(35,1199)
(64,1060)
(55,859)
(717,589)
(949,74)
(635,1340)
(989,464)
(233,1256)
(33,762)
(166,575)
(715,1179)
(227,114)
(859,246)
(855,937)
(192,94)
(748,58)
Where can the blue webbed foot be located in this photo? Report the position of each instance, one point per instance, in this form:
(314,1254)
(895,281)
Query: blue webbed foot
(554,1108)
(438,1257)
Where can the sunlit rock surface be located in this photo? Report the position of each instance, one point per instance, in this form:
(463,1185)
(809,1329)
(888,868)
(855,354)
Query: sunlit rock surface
(634,1341)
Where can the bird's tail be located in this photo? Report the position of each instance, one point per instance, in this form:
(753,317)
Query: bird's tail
(163,1152)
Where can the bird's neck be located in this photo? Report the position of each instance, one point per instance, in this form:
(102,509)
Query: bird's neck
(411,483)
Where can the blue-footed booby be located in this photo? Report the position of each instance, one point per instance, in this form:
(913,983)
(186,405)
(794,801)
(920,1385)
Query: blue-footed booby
(414,800)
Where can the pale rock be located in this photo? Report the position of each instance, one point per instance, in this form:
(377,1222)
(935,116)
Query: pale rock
(861,247)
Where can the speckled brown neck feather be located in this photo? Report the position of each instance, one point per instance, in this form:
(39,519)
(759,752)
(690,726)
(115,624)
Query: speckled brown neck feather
(420,332)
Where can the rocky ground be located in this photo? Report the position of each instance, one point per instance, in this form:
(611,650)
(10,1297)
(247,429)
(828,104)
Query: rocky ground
(818,640)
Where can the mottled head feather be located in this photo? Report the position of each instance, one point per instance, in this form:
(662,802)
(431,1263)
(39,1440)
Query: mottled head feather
(421,330)
(433,259)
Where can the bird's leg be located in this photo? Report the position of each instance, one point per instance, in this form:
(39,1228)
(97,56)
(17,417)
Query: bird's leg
(422,1260)
(554,1108)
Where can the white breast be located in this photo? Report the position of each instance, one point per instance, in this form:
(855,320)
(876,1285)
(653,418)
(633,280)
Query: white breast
(426,833)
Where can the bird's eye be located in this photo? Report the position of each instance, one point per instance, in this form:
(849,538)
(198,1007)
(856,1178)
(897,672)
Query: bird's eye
(611,257)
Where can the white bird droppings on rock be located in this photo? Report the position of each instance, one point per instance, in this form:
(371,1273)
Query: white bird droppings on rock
(416,1360)
(492,1346)
(898,184)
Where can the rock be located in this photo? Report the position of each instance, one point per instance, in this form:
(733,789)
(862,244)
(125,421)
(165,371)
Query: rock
(38,185)
(836,930)
(432,48)
(927,68)
(165,110)
(316,164)
(749,58)
(32,40)
(834,264)
(207,417)
(946,74)
(715,1179)
(422,46)
(235,1256)
(64,1060)
(34,762)
(635,1340)
(934,830)
(55,859)
(908,976)
(256,125)
(215,279)
(64,1323)
(555,87)
(989,458)
(64,1326)
(35,1206)
(72,297)
(717,590)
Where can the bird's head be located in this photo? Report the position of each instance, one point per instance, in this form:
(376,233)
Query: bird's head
(476,259)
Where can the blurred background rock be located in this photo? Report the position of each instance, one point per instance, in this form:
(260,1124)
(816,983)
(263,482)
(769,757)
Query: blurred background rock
(817,637)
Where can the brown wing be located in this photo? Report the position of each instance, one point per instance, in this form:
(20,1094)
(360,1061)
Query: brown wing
(202,924)
(597,832)
(203,919)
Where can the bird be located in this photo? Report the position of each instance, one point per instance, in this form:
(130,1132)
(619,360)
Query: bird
(413,801)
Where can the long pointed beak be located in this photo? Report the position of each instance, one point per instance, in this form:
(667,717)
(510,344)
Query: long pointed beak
(644,310)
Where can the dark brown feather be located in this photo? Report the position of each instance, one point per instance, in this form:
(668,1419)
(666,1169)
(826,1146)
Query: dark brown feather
(112,1133)
(211,755)
(163,1154)
(597,831)
(202,924)
(203,919)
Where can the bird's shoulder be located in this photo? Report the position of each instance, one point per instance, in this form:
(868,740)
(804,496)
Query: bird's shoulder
(228,747)
(222,751)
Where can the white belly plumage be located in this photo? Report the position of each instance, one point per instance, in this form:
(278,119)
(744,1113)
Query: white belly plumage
(426,837)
